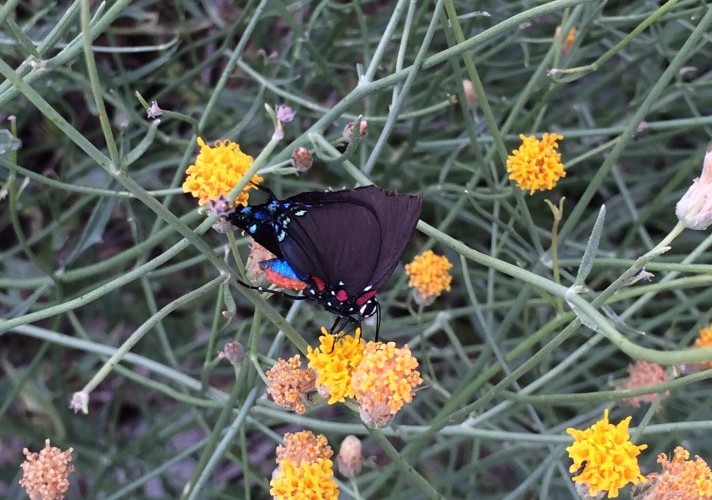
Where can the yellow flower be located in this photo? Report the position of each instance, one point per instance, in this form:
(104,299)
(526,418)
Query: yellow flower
(680,478)
(334,361)
(384,381)
(429,275)
(605,457)
(217,170)
(305,471)
(45,475)
(289,383)
(643,374)
(536,165)
(705,340)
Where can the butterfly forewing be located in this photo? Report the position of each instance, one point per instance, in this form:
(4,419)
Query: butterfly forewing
(338,243)
(397,215)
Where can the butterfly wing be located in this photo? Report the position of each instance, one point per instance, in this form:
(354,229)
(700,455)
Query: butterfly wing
(350,239)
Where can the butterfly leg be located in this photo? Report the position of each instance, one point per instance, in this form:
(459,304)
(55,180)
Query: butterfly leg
(334,328)
(265,190)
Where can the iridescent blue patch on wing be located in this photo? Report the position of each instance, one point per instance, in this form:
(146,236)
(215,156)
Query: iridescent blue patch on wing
(274,205)
(260,215)
(279,266)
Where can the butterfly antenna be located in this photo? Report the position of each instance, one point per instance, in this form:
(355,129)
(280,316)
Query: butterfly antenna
(264,189)
(378,319)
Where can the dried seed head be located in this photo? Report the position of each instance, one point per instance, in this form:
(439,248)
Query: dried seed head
(302,159)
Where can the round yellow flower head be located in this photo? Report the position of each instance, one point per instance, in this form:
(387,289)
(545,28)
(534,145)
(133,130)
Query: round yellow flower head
(334,361)
(217,170)
(304,471)
(605,457)
(429,275)
(536,165)
(289,383)
(384,381)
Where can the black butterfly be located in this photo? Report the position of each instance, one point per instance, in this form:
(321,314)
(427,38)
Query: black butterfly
(341,246)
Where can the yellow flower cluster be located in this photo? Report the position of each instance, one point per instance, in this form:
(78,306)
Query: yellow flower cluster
(704,339)
(45,474)
(334,361)
(384,381)
(605,457)
(217,170)
(289,383)
(536,165)
(304,469)
(643,374)
(381,377)
(429,275)
(680,478)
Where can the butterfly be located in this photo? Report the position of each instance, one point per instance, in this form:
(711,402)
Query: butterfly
(338,247)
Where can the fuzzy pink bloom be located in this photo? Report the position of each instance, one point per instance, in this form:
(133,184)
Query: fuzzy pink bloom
(643,374)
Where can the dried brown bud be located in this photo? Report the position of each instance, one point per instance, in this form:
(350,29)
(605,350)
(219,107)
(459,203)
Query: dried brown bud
(302,159)
(349,130)
(233,352)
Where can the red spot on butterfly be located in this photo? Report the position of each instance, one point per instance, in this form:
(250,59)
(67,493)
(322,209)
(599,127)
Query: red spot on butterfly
(319,283)
(361,300)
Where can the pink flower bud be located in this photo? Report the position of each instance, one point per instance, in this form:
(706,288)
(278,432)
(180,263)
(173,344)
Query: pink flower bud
(350,456)
(695,207)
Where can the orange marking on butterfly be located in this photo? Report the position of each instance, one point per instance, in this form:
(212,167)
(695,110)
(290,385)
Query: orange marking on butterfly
(283,281)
